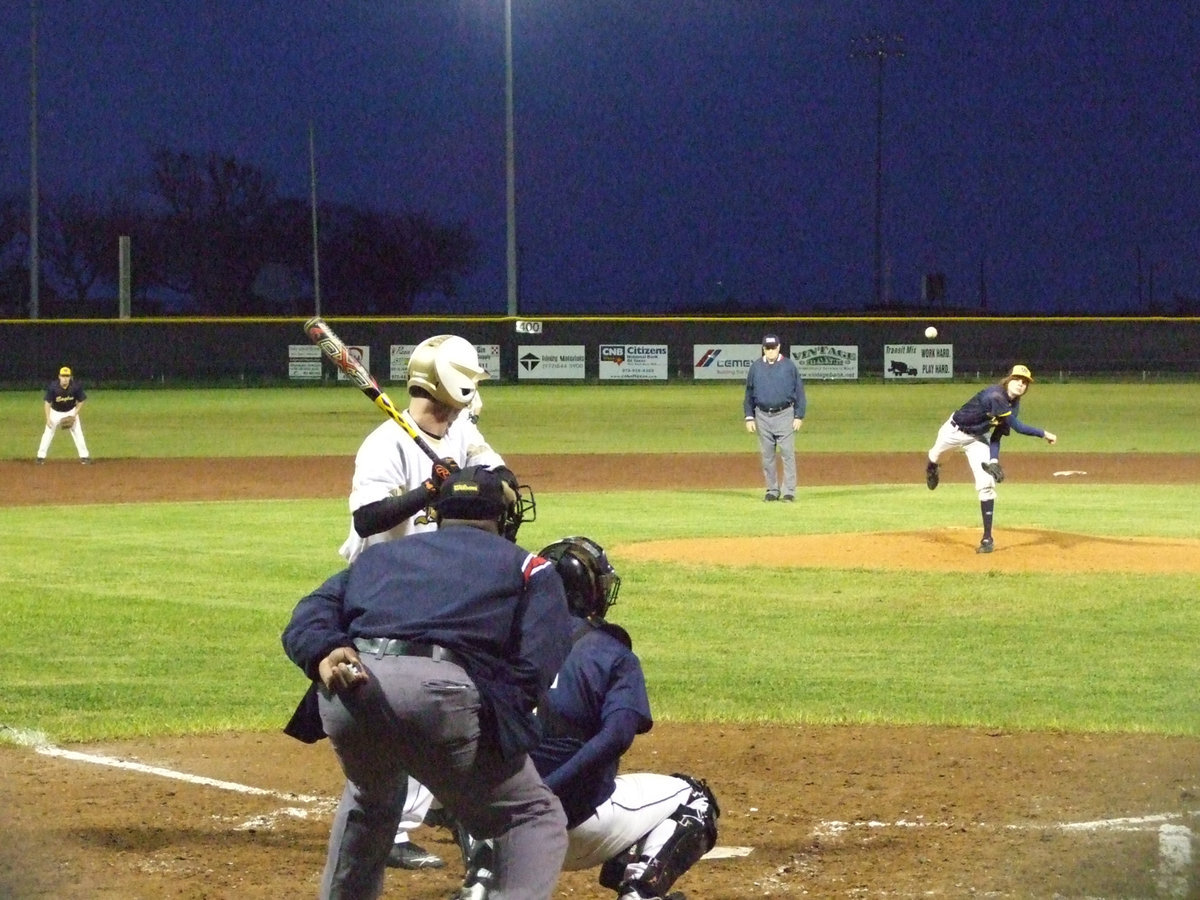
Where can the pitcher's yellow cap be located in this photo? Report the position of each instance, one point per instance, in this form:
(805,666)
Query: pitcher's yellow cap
(1021,372)
(65,370)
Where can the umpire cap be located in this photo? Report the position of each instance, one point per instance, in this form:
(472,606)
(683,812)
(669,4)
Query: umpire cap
(475,492)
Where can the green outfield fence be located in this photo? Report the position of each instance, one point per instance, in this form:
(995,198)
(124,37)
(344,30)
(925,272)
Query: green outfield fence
(255,351)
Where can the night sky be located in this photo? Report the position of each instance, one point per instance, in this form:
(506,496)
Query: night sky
(671,153)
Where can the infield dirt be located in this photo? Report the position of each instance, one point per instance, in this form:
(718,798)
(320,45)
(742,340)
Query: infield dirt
(825,811)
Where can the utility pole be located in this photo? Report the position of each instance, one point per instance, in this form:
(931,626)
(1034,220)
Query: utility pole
(880,48)
(510,167)
(34,254)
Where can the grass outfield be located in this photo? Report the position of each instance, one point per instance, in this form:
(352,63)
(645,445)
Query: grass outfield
(142,619)
(668,418)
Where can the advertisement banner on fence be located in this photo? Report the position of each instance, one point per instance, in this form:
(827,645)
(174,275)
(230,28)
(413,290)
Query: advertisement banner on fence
(633,362)
(901,361)
(723,361)
(304,362)
(398,355)
(826,362)
(546,361)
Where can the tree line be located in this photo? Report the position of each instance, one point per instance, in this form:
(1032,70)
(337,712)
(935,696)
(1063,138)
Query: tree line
(212,236)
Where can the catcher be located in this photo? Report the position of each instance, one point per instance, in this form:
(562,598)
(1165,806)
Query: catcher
(993,409)
(643,830)
(62,403)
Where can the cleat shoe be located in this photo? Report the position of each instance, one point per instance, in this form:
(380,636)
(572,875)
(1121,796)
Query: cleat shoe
(993,469)
(411,856)
(789,498)
(770,498)
(931,475)
(987,545)
(40,460)
(87,460)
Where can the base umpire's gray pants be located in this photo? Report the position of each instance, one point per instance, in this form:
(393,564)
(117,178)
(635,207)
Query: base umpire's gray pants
(420,717)
(775,433)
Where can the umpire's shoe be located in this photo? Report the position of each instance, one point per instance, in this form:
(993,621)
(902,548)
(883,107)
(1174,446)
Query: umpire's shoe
(412,856)
(931,475)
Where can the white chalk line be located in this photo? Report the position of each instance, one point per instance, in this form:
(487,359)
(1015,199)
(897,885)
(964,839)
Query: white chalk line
(1173,877)
(255,823)
(833,827)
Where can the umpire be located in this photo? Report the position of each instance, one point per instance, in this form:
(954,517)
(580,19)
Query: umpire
(427,656)
(774,406)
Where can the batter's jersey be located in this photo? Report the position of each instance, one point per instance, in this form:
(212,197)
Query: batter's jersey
(600,677)
(389,464)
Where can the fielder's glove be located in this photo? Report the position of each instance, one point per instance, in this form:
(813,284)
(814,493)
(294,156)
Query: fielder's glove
(67,422)
(993,469)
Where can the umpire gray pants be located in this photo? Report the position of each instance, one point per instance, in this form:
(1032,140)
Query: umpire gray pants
(420,717)
(775,435)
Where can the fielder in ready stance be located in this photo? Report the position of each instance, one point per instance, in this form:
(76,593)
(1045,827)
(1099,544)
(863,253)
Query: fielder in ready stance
(994,409)
(62,403)
(427,657)
(643,830)
(394,482)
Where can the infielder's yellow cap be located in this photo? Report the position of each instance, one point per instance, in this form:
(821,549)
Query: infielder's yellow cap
(65,370)
(1021,372)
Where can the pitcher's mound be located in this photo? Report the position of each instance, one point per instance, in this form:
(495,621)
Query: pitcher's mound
(937,550)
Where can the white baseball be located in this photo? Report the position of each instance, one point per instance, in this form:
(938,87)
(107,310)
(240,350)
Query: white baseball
(931,332)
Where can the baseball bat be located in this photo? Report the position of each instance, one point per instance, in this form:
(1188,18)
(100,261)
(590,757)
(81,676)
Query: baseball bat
(339,354)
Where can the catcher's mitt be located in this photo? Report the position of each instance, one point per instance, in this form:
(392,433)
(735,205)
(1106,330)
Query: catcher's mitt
(993,469)
(67,422)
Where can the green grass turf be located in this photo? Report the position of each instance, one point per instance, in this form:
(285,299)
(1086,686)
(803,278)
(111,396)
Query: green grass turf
(666,418)
(141,619)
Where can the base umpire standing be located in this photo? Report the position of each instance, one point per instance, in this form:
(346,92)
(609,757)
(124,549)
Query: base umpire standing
(427,657)
(774,408)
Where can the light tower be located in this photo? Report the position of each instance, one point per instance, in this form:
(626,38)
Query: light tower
(880,48)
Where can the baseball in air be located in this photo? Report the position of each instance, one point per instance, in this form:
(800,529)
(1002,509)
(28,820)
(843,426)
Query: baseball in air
(931,332)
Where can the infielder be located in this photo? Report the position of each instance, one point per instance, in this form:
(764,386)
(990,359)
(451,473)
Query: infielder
(394,482)
(993,409)
(62,402)
(643,830)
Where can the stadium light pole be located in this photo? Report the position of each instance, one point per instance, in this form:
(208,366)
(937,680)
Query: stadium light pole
(879,47)
(34,255)
(510,167)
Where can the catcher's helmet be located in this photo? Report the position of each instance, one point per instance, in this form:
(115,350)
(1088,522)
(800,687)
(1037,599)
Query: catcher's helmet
(478,493)
(447,368)
(592,583)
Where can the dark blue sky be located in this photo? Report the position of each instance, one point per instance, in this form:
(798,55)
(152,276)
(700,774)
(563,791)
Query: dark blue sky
(669,152)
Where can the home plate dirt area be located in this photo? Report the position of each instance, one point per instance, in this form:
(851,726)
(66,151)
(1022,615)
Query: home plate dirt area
(841,811)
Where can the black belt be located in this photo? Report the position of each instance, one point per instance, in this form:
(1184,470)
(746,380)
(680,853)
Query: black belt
(380,647)
(771,410)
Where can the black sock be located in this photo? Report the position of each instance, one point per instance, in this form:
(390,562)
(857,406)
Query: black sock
(986,507)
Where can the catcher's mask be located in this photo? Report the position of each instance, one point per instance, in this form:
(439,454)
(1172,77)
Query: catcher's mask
(446,367)
(478,493)
(591,582)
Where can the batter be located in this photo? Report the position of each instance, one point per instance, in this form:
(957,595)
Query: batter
(394,482)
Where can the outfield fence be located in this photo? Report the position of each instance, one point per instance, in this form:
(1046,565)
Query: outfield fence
(256,351)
